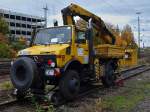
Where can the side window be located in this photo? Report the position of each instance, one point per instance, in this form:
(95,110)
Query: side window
(80,37)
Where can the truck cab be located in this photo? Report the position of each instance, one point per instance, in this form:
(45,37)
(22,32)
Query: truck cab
(64,43)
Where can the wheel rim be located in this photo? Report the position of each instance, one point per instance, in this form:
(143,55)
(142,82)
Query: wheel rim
(74,85)
(21,73)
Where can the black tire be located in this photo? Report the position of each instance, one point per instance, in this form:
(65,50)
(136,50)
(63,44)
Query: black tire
(24,73)
(70,85)
(109,78)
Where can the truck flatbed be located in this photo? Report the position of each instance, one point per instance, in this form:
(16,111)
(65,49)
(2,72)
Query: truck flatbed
(109,51)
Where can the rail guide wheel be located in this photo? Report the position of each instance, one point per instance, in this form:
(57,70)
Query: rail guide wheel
(19,95)
(70,85)
(56,98)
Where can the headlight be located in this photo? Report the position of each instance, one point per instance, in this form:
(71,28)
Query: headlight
(52,64)
(23,53)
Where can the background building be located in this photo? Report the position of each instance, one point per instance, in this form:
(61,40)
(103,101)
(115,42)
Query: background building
(20,24)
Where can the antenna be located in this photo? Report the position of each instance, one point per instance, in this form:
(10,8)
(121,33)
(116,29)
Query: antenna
(45,14)
(55,22)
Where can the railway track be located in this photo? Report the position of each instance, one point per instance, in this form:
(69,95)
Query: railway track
(4,69)
(126,74)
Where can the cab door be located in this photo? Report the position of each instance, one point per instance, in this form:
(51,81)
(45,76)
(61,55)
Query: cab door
(82,51)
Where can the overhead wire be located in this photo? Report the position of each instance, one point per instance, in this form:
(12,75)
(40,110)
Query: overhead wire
(127,4)
(112,7)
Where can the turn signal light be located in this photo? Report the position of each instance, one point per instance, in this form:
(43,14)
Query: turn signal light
(51,63)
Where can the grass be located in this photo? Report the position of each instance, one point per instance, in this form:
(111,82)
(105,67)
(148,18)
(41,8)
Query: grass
(40,108)
(128,99)
(6,85)
(95,107)
(123,103)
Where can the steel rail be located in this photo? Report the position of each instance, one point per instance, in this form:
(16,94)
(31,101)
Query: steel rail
(126,74)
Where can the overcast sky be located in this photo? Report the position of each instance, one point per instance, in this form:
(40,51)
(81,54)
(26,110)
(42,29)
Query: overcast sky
(117,12)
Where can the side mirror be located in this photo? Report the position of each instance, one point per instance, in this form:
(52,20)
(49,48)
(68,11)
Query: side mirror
(33,36)
(55,23)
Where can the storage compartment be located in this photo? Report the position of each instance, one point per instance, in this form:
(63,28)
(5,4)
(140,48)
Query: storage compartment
(130,58)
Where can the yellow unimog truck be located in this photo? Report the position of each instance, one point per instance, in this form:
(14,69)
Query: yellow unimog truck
(66,56)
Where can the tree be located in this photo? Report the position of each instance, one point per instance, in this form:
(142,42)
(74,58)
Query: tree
(4,28)
(127,35)
(5,48)
(114,29)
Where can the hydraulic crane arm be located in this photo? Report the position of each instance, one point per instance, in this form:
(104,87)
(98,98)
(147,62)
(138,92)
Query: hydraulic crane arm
(73,10)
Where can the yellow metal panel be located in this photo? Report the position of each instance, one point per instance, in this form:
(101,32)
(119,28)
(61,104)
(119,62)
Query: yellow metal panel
(132,59)
(46,49)
(108,51)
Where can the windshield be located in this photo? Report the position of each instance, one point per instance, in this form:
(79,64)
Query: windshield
(53,35)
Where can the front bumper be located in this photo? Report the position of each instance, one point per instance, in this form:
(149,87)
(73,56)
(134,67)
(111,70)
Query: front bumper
(50,75)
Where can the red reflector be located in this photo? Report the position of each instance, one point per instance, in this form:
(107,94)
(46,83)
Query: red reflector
(49,62)
(57,72)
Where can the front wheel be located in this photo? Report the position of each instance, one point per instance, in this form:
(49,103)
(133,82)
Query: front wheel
(70,84)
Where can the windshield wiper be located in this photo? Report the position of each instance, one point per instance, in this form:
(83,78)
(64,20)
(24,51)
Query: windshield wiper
(46,43)
(38,43)
(61,42)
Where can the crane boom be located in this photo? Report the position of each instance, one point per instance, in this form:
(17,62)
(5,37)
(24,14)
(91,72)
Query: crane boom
(73,10)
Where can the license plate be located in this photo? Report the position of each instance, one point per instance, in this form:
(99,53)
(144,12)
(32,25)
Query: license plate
(49,72)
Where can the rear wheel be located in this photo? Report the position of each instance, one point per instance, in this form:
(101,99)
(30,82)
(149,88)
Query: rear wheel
(108,79)
(70,84)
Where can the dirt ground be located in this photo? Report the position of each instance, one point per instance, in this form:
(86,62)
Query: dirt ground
(19,108)
(133,96)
